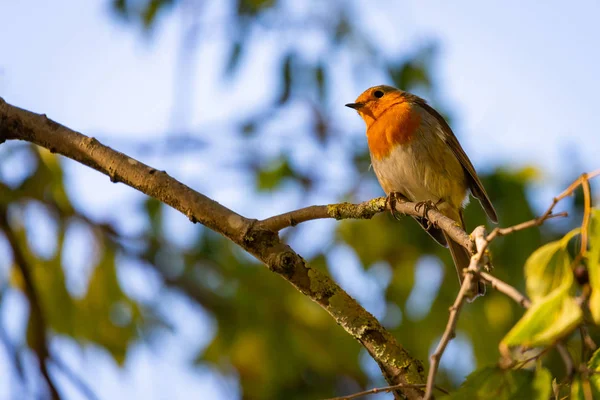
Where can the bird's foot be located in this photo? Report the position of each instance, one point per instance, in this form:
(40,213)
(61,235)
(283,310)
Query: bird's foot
(427,205)
(391,201)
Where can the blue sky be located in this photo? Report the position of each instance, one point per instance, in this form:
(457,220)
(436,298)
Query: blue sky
(521,80)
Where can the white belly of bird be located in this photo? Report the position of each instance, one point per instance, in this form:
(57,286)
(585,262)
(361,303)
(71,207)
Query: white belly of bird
(414,171)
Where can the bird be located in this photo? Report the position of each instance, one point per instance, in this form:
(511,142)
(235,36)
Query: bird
(416,157)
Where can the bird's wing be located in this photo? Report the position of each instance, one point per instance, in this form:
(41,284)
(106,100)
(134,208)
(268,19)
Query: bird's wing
(475,184)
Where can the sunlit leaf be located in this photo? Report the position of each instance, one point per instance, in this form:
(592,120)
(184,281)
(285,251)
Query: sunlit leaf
(548,268)
(505,384)
(547,320)
(593,265)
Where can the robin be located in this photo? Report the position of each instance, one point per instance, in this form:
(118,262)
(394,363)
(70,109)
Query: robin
(417,158)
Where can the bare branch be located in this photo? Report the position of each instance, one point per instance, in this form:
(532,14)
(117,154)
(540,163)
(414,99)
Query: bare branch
(365,210)
(449,333)
(397,365)
(524,225)
(482,241)
(568,191)
(587,339)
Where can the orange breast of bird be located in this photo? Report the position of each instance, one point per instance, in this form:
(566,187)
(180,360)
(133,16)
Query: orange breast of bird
(395,126)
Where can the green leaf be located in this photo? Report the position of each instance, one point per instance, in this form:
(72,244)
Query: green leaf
(547,320)
(548,268)
(593,265)
(505,384)
(554,312)
(271,177)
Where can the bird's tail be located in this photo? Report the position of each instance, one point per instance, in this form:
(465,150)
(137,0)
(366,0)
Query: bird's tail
(462,258)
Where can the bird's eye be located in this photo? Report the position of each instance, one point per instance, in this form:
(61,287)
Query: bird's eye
(378,94)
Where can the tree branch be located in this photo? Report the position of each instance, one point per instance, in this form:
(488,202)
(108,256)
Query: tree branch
(398,367)
(482,241)
(365,210)
(449,333)
(505,288)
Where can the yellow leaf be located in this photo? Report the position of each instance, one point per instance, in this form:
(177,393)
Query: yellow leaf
(593,265)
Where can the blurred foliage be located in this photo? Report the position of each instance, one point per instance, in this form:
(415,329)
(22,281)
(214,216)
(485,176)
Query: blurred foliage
(270,337)
(586,385)
(505,385)
(103,315)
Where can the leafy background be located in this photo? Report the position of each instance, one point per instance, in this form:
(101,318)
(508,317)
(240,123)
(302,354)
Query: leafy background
(138,300)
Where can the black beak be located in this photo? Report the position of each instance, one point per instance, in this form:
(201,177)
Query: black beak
(356,106)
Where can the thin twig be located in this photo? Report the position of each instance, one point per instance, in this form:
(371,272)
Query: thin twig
(567,359)
(384,389)
(522,363)
(506,289)
(569,190)
(481,243)
(587,339)
(37,316)
(524,225)
(364,210)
